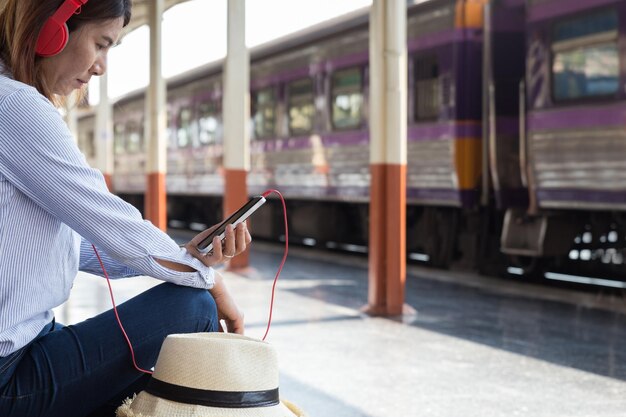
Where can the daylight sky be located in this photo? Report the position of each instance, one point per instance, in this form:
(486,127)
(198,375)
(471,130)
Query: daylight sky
(194,33)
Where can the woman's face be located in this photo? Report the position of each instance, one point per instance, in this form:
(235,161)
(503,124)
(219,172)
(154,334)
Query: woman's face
(84,55)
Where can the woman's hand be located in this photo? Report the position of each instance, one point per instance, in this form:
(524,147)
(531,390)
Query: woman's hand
(236,240)
(227,310)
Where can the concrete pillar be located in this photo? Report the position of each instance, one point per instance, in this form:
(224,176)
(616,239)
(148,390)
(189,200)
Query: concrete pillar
(388,156)
(156,164)
(236,114)
(104,133)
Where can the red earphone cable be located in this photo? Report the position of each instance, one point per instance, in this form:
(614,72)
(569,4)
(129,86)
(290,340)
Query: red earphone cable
(269,320)
(282,262)
(117,316)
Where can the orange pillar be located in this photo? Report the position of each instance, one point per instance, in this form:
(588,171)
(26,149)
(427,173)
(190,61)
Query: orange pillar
(155,200)
(236,196)
(108,179)
(388,142)
(236,116)
(387,236)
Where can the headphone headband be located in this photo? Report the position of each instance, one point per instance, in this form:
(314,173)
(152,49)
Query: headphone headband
(54,34)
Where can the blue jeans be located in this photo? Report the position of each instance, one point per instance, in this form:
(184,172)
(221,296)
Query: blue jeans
(86,369)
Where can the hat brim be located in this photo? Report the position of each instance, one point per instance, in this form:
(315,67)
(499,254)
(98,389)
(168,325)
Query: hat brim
(148,405)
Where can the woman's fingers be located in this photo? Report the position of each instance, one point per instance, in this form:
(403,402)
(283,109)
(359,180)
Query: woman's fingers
(230,246)
(243,237)
(236,240)
(226,307)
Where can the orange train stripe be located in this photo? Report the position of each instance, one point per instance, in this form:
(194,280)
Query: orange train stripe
(469,14)
(468,162)
(156,200)
(387,239)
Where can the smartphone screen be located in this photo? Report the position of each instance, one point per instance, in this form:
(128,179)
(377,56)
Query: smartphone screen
(206,245)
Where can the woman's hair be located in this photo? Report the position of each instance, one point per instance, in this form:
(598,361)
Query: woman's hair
(21,21)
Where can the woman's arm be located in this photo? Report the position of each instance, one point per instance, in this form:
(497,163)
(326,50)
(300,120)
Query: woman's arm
(39,157)
(88,262)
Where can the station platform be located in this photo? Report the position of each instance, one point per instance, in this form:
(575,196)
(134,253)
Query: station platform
(475,347)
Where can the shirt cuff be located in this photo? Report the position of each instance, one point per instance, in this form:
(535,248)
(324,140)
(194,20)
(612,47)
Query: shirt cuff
(203,277)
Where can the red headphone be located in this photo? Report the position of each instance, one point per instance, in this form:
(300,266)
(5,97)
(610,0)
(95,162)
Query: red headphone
(54,34)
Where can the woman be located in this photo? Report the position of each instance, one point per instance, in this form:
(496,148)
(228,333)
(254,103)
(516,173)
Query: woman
(53,207)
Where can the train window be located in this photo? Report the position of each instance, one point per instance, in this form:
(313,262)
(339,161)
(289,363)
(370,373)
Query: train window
(264,113)
(133,137)
(585,57)
(301,107)
(183,132)
(209,122)
(427,94)
(119,138)
(347,99)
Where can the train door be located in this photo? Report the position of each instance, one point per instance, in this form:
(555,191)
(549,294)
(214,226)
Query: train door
(503,71)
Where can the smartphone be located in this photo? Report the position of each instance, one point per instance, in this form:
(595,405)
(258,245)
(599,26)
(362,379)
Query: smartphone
(206,245)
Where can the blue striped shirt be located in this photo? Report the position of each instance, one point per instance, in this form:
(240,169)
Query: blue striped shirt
(52,207)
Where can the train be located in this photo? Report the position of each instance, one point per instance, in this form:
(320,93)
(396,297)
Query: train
(516,136)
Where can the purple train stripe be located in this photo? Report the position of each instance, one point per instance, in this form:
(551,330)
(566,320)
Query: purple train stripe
(588,196)
(549,9)
(431,131)
(432,40)
(351,138)
(579,117)
(348,138)
(469,198)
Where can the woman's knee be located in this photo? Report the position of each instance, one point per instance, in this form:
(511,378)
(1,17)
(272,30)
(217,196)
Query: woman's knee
(192,306)
(201,304)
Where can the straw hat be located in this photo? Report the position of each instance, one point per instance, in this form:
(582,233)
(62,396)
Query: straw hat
(212,375)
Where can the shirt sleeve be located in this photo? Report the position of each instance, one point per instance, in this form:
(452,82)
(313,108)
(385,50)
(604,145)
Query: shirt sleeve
(89,263)
(39,156)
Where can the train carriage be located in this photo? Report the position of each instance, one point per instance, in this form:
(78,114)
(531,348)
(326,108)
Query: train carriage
(516,132)
(309,131)
(577,105)
(574,145)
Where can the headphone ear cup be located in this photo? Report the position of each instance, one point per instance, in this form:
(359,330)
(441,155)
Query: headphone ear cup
(52,38)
